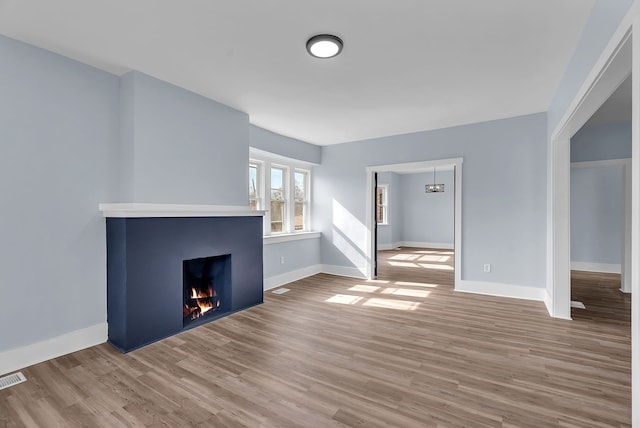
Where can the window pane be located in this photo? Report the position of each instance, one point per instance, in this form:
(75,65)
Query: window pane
(381,208)
(277,184)
(300,179)
(253,181)
(277,216)
(299,216)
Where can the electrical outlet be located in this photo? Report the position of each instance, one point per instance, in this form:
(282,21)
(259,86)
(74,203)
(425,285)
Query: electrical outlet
(282,260)
(487,267)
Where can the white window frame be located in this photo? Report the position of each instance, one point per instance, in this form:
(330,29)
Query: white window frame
(286,197)
(305,203)
(266,162)
(259,184)
(385,205)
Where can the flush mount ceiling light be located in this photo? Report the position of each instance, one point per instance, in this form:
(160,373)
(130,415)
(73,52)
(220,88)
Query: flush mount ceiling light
(324,46)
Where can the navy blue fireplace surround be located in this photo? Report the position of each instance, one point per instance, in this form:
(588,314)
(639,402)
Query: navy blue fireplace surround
(146,262)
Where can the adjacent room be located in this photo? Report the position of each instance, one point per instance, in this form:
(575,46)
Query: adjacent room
(274,214)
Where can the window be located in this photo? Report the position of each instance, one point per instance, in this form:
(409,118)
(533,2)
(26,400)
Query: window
(278,200)
(300,200)
(382,202)
(254,186)
(283,189)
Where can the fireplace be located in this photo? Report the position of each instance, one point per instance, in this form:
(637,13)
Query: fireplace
(168,271)
(206,282)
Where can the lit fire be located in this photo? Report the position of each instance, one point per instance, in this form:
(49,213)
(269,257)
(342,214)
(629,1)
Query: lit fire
(204,302)
(198,294)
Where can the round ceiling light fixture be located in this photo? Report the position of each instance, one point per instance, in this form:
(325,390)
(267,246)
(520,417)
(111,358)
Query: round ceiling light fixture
(324,46)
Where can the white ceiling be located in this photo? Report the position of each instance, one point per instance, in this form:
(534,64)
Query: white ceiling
(407,65)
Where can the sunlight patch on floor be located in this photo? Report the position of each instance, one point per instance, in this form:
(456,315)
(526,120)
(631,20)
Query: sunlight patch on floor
(404,257)
(439,267)
(403,305)
(429,258)
(433,252)
(403,264)
(416,284)
(344,299)
(377,281)
(406,292)
(364,288)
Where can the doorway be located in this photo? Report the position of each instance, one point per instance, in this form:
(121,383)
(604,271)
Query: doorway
(408,168)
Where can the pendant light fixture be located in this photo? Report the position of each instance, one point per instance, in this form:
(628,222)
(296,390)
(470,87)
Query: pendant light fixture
(324,46)
(434,188)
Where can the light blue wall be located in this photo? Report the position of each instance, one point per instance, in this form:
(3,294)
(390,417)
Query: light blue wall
(503,201)
(600,142)
(597,214)
(284,146)
(186,148)
(59,134)
(597,193)
(297,255)
(427,217)
(602,23)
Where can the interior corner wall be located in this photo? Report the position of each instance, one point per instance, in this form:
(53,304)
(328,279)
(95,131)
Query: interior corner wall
(503,205)
(59,132)
(186,148)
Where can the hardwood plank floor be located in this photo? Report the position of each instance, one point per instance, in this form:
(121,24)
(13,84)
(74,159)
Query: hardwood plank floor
(403,350)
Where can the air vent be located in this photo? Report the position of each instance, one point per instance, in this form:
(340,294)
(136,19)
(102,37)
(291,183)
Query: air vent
(280,291)
(12,379)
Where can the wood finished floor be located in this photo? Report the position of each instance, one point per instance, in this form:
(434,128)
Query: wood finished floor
(402,351)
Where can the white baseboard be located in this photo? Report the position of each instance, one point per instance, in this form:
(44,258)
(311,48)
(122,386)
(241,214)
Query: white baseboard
(502,290)
(287,277)
(416,244)
(382,247)
(351,272)
(25,356)
(596,267)
(547,302)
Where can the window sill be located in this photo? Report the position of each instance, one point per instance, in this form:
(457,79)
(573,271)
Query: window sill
(383,224)
(286,237)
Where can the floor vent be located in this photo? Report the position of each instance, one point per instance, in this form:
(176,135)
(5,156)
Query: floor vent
(579,305)
(280,291)
(12,379)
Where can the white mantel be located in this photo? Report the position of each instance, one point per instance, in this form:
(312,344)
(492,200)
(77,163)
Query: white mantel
(131,210)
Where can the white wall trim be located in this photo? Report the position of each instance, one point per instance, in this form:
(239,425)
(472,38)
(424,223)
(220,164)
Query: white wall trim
(25,356)
(383,247)
(502,290)
(286,237)
(137,210)
(351,272)
(287,277)
(548,301)
(416,244)
(601,163)
(597,267)
(428,245)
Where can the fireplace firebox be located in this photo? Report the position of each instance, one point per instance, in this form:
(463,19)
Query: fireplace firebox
(206,283)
